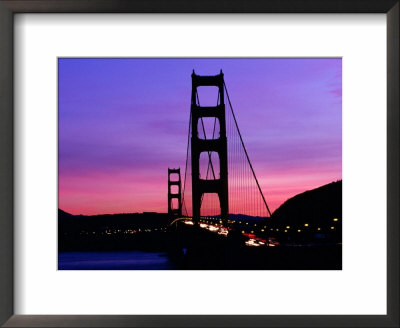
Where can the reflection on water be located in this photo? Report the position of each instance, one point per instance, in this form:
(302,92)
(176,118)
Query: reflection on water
(122,260)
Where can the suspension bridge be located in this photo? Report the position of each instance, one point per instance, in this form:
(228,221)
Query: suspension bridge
(216,207)
(219,181)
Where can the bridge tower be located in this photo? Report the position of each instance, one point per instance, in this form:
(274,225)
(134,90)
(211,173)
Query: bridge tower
(219,185)
(176,212)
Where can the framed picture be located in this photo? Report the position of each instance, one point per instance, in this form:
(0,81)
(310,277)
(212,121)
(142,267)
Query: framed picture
(234,228)
(267,249)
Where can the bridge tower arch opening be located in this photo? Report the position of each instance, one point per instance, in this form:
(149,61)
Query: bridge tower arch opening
(174,193)
(218,185)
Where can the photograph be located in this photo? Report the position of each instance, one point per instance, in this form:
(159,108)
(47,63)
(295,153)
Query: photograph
(199,163)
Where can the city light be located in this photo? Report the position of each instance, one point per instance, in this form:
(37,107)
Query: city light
(252,242)
(189,222)
(223,232)
(306,224)
(335,219)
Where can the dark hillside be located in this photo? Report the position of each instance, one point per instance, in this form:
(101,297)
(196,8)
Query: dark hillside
(317,207)
(111,231)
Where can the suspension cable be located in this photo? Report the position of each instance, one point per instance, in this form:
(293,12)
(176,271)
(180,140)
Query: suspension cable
(186,164)
(245,151)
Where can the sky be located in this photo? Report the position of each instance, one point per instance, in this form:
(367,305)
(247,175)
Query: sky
(124,121)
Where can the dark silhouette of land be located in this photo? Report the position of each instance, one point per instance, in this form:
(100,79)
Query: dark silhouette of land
(306,231)
(315,206)
(130,231)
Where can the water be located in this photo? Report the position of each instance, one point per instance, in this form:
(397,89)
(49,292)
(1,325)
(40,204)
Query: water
(120,260)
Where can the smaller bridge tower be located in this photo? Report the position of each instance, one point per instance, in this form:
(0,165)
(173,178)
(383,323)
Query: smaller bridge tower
(173,211)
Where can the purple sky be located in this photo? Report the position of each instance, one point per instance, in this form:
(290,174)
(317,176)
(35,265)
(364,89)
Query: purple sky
(123,122)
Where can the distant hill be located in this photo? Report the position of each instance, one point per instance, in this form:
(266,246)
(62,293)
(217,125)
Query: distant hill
(64,215)
(76,223)
(316,206)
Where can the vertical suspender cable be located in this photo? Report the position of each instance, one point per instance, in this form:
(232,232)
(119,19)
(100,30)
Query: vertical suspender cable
(245,151)
(186,164)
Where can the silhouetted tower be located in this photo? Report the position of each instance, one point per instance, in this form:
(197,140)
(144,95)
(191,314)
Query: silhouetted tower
(218,185)
(177,195)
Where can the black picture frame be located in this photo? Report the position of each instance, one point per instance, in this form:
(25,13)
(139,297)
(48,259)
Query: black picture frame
(10,7)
